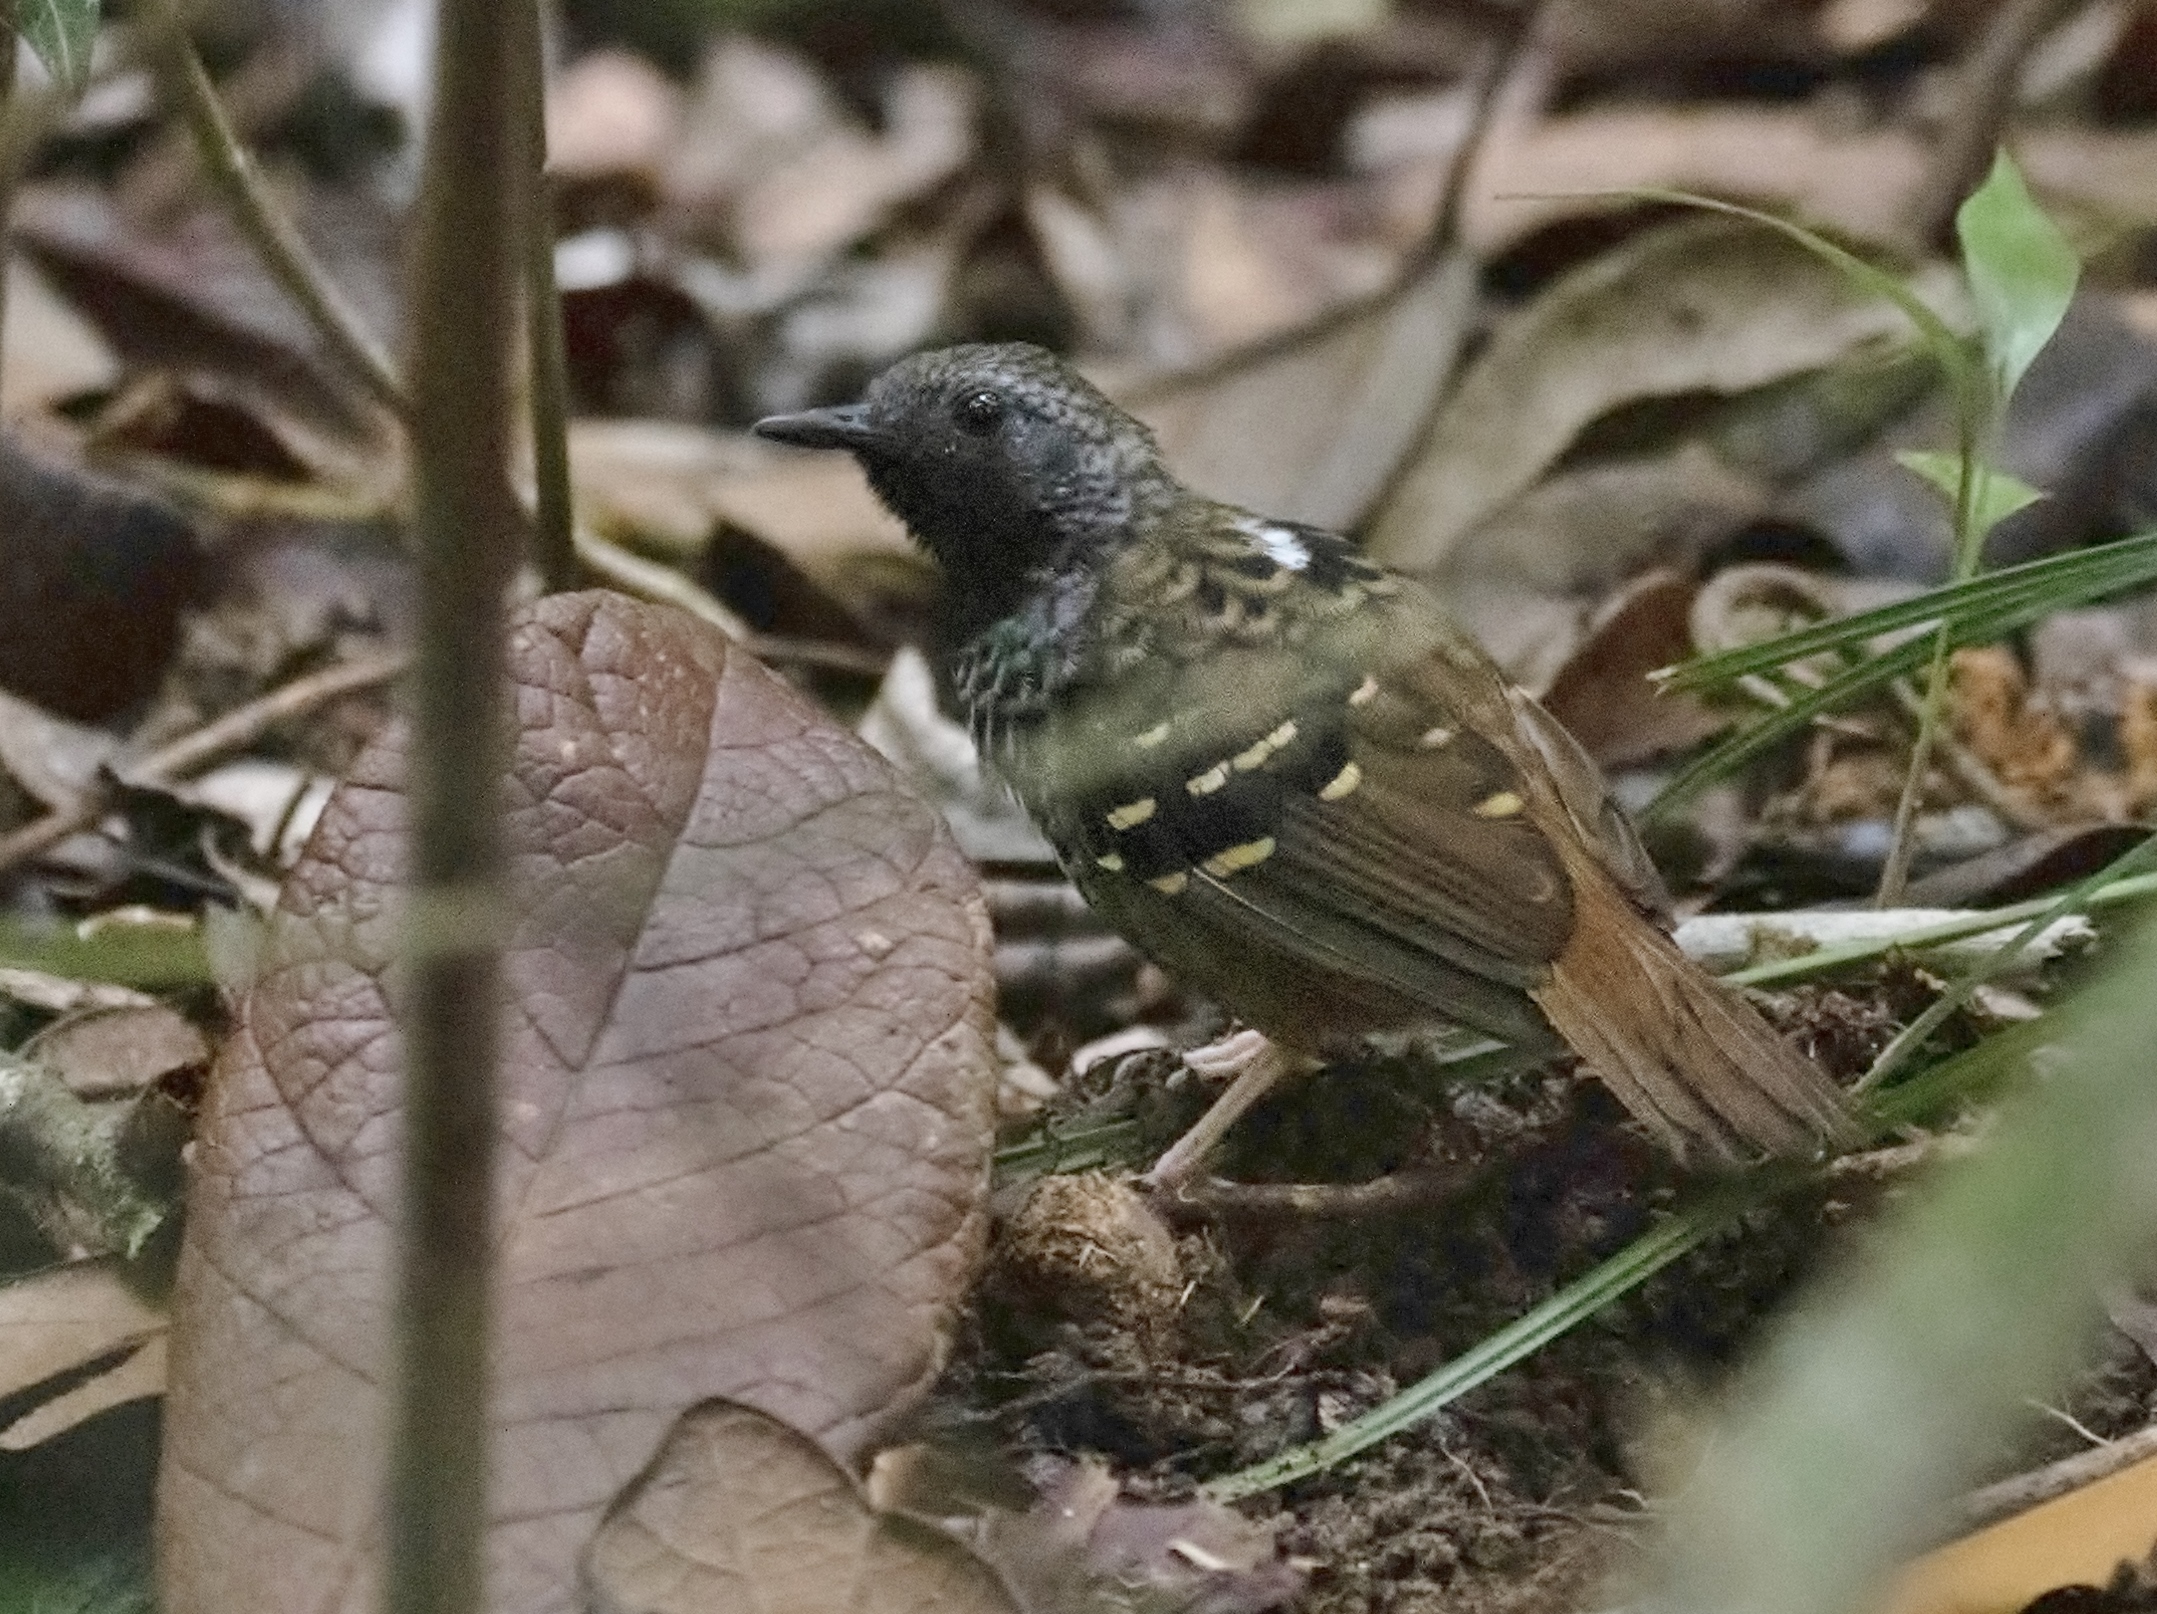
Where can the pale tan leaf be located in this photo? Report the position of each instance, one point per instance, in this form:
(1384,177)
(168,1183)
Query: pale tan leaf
(1311,428)
(65,1319)
(669,484)
(104,1052)
(740,1515)
(139,1376)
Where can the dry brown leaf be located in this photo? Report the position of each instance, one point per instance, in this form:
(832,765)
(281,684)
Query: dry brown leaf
(194,301)
(1082,1548)
(93,577)
(61,1327)
(2024,744)
(1854,178)
(748,1076)
(1859,180)
(1703,305)
(795,178)
(54,760)
(672,484)
(738,1514)
(1310,430)
(1601,693)
(1528,580)
(103,1053)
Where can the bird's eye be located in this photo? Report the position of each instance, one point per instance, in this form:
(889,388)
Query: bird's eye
(978,412)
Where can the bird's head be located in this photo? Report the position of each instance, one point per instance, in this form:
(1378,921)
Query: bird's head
(1002,461)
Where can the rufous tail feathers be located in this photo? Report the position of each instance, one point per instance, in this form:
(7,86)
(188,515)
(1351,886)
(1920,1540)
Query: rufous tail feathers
(1685,1053)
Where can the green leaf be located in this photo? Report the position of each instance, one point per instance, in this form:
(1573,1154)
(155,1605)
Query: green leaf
(61,32)
(2022,271)
(1998,494)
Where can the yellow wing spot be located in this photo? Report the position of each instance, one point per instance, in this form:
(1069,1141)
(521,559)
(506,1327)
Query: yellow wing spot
(1343,783)
(1501,804)
(1182,584)
(1111,861)
(1364,693)
(1209,781)
(1434,738)
(1131,813)
(1151,738)
(1170,884)
(1222,864)
(1258,755)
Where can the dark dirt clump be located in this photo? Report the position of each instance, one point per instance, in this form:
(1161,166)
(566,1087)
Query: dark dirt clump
(1184,1342)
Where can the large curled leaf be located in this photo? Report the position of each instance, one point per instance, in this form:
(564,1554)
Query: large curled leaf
(744,1135)
(1700,306)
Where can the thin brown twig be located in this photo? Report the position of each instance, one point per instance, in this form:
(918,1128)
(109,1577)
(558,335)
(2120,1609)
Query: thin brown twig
(236,728)
(276,240)
(1436,242)
(1984,96)
(1525,27)
(1380,1196)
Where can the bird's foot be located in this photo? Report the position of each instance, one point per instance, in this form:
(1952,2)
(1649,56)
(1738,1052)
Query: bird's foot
(1256,1064)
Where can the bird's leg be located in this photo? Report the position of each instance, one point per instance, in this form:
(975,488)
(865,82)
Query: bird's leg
(1257,1064)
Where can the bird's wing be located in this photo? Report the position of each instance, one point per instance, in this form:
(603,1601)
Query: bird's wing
(1324,827)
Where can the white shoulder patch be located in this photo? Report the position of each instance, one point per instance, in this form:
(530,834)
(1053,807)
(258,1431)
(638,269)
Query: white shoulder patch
(1282,546)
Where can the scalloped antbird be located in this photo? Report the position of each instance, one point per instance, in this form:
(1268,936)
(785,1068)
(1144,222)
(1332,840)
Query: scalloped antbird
(1281,771)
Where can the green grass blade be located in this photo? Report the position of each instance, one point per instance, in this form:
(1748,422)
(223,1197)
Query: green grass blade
(2073,578)
(2005,612)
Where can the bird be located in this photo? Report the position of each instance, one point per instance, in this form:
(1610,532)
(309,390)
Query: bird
(1285,774)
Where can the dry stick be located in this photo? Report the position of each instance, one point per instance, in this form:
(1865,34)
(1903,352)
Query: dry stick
(466,529)
(1984,95)
(238,727)
(1506,57)
(2024,1491)
(554,551)
(302,275)
(1376,1196)
(276,240)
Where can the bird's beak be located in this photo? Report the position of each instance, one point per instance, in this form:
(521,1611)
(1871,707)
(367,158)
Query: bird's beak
(844,427)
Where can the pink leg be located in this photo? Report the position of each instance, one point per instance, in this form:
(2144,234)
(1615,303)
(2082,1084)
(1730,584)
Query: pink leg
(1257,1064)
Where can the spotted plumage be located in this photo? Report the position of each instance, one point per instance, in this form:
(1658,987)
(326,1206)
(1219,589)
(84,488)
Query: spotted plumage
(1278,768)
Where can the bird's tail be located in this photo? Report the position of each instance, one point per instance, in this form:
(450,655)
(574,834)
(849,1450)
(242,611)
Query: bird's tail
(1686,1054)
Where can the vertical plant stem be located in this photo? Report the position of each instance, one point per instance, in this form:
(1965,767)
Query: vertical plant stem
(9,41)
(1969,546)
(554,547)
(283,250)
(467,535)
